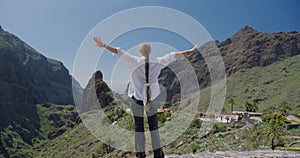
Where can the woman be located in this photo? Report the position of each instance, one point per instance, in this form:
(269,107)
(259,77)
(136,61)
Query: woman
(144,90)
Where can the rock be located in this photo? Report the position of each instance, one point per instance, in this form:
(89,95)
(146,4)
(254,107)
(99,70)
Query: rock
(26,76)
(46,105)
(97,91)
(246,49)
(78,120)
(54,134)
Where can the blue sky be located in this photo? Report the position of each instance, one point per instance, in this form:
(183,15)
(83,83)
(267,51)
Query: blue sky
(56,28)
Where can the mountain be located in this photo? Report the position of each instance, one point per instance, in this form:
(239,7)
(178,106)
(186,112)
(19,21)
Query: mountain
(27,76)
(260,67)
(96,94)
(79,142)
(25,125)
(246,49)
(267,86)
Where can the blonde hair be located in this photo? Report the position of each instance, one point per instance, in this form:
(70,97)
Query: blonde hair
(145,49)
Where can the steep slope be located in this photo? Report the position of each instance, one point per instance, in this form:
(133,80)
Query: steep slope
(96,91)
(268,86)
(48,130)
(249,48)
(28,125)
(274,83)
(246,49)
(78,141)
(27,76)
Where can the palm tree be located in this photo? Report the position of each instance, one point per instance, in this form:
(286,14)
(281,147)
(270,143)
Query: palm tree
(223,109)
(273,131)
(275,118)
(254,107)
(247,105)
(231,102)
(227,118)
(283,108)
(274,126)
(250,107)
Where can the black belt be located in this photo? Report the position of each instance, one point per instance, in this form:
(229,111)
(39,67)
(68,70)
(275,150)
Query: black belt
(139,102)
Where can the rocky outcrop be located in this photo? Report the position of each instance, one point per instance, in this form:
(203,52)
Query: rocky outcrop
(54,134)
(247,48)
(97,94)
(27,76)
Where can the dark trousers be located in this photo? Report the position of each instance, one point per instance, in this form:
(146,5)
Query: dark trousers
(138,112)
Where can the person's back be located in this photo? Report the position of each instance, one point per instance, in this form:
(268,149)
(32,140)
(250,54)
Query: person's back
(143,89)
(137,80)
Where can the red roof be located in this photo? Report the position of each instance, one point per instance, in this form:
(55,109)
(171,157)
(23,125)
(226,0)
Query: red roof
(160,110)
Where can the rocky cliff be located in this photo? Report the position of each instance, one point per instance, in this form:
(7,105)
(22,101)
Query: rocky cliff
(27,76)
(247,48)
(96,94)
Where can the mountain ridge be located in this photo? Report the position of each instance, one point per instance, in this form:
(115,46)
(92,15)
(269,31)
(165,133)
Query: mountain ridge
(29,77)
(27,128)
(247,48)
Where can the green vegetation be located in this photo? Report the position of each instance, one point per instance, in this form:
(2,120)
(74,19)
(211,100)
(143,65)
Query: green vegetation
(266,86)
(48,130)
(25,125)
(250,106)
(77,141)
(284,108)
(231,102)
(274,127)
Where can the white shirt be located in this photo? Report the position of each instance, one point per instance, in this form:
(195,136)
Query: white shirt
(137,80)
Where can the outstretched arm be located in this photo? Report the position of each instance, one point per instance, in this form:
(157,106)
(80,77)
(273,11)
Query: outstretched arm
(99,43)
(178,54)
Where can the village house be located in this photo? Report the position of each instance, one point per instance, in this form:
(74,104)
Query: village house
(222,117)
(228,118)
(293,122)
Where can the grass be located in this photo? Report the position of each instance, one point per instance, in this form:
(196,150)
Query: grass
(267,86)
(25,125)
(79,142)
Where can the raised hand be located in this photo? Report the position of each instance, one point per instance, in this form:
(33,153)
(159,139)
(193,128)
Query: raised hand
(194,48)
(98,41)
(178,54)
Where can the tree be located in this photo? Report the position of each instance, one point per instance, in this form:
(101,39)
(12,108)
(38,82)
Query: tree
(298,112)
(227,118)
(273,131)
(276,118)
(250,106)
(274,126)
(223,109)
(283,108)
(231,102)
(254,107)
